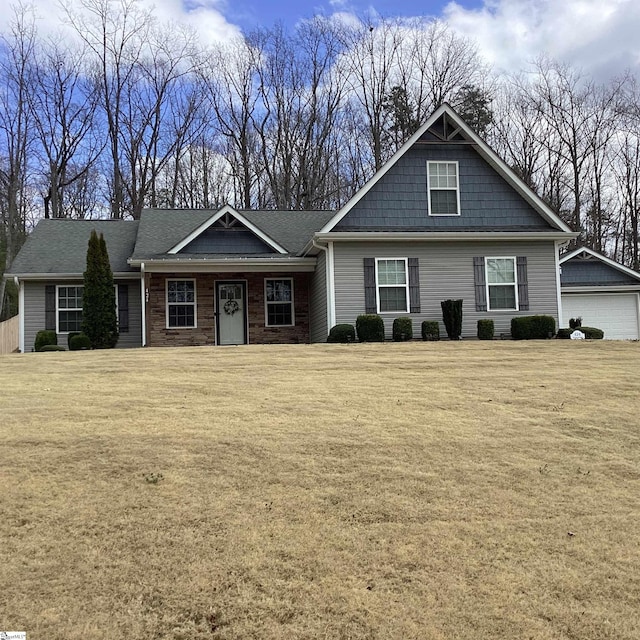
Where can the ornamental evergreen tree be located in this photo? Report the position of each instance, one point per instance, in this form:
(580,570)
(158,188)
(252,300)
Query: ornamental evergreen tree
(99,321)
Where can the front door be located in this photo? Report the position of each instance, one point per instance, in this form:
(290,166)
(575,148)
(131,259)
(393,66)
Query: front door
(231,314)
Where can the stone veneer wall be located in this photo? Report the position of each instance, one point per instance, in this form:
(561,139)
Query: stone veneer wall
(205,333)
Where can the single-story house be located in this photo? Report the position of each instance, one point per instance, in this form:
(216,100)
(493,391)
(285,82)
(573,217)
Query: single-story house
(604,293)
(444,218)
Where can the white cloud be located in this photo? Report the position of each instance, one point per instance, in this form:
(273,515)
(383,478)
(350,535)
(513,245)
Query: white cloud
(599,36)
(205,17)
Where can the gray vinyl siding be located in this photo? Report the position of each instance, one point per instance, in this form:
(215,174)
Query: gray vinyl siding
(446,271)
(399,199)
(34,314)
(579,272)
(133,338)
(318,301)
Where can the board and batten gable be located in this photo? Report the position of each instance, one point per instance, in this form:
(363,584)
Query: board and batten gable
(399,200)
(446,272)
(35,312)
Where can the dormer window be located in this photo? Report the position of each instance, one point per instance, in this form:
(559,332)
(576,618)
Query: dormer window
(442,185)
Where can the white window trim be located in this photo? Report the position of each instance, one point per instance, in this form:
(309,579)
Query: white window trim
(194,303)
(58,309)
(267,303)
(430,188)
(406,285)
(502,284)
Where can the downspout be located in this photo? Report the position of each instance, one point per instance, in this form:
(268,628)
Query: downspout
(143,294)
(558,244)
(331,296)
(20,286)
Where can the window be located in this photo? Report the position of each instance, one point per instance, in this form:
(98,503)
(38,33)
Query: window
(69,308)
(392,284)
(501,283)
(181,304)
(279,302)
(442,182)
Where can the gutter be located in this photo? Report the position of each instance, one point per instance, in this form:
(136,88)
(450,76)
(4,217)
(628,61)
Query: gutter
(205,265)
(118,275)
(439,236)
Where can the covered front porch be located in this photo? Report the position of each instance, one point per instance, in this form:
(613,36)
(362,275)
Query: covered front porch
(226,307)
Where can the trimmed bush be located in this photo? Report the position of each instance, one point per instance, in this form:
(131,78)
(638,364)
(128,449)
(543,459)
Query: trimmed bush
(402,329)
(79,342)
(370,328)
(575,323)
(44,338)
(52,347)
(430,330)
(591,333)
(485,329)
(533,327)
(342,333)
(452,318)
(69,336)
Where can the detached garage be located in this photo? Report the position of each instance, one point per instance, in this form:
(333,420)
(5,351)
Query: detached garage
(602,292)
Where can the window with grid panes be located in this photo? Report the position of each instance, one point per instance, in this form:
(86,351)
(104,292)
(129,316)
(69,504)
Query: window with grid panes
(181,303)
(69,308)
(279,302)
(393,284)
(443,188)
(501,283)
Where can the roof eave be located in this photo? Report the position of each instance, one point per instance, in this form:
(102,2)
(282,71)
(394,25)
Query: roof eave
(208,265)
(604,288)
(117,275)
(435,236)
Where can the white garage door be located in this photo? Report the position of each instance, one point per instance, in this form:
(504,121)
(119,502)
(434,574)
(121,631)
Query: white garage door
(615,313)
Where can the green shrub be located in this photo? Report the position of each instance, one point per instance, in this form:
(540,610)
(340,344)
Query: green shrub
(52,347)
(575,323)
(79,342)
(452,318)
(430,330)
(590,333)
(402,329)
(44,338)
(342,333)
(485,329)
(370,328)
(69,336)
(533,327)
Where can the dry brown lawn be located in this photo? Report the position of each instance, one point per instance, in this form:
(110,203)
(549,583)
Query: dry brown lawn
(426,490)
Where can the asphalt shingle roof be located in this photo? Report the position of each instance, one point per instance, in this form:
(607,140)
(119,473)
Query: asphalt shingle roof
(60,246)
(162,229)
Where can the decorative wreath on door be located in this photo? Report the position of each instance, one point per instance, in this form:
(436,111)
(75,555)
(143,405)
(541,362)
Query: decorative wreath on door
(230,307)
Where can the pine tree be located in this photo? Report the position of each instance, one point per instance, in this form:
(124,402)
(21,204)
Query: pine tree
(99,321)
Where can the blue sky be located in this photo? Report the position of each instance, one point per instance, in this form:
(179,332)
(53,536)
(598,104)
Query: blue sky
(249,13)
(598,36)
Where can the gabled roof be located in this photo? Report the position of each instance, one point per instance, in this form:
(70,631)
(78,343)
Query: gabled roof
(59,246)
(227,210)
(445,119)
(166,233)
(591,255)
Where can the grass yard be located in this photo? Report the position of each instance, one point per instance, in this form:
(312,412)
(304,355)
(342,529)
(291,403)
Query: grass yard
(400,491)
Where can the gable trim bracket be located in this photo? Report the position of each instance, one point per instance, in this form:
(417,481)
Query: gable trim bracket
(227,210)
(457,125)
(604,259)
